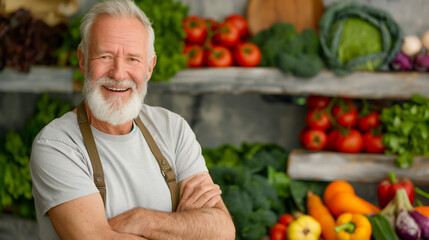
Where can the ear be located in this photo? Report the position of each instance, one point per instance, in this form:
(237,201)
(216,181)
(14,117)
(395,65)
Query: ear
(81,58)
(151,67)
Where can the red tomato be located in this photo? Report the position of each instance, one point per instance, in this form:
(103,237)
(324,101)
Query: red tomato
(332,140)
(368,122)
(345,113)
(318,119)
(219,56)
(240,23)
(350,143)
(195,55)
(211,24)
(278,232)
(314,139)
(228,35)
(247,54)
(316,101)
(373,144)
(195,29)
(286,219)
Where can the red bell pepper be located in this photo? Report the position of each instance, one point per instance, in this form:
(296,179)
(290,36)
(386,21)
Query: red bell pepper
(387,188)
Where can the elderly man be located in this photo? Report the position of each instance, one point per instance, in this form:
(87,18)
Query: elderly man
(109,169)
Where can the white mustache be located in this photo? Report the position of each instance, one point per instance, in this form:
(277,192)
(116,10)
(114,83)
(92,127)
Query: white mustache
(106,81)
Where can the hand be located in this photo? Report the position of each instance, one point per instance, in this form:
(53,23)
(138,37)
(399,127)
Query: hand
(197,192)
(129,222)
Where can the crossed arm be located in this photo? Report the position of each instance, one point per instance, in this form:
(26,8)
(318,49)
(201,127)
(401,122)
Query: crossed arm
(201,214)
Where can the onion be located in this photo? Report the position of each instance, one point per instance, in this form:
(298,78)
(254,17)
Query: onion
(412,45)
(401,63)
(421,63)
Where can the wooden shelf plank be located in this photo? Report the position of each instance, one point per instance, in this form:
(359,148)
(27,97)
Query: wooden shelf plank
(329,166)
(39,79)
(380,85)
(238,80)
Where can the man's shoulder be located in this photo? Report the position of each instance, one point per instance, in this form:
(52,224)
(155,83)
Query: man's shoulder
(60,128)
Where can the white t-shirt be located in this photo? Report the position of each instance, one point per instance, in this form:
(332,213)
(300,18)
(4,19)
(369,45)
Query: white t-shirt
(61,169)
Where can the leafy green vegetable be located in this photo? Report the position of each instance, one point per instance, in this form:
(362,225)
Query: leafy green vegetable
(167,17)
(407,130)
(15,179)
(358,37)
(283,47)
(250,177)
(250,198)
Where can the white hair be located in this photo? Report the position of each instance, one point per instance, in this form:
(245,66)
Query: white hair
(120,8)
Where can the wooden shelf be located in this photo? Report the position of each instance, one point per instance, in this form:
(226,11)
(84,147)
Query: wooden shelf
(238,80)
(371,168)
(272,81)
(39,79)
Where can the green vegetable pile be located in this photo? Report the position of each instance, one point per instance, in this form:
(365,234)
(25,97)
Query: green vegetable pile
(358,37)
(167,17)
(407,130)
(67,52)
(255,187)
(283,47)
(15,179)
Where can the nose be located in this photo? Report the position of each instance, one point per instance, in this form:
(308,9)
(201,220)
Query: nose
(118,71)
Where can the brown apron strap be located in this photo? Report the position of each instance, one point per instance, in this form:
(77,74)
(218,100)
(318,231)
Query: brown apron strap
(166,170)
(97,167)
(88,138)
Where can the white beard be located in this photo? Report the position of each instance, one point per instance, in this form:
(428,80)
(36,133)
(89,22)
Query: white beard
(113,110)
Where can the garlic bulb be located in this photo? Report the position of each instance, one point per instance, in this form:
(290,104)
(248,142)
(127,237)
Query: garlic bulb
(412,45)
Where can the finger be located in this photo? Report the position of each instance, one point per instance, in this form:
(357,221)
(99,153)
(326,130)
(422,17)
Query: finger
(200,190)
(209,199)
(190,186)
(212,202)
(206,197)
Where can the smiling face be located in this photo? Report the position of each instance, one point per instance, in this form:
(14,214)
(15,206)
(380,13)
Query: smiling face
(117,68)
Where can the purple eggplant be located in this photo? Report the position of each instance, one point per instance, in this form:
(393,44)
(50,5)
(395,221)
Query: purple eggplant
(421,63)
(401,63)
(405,226)
(423,223)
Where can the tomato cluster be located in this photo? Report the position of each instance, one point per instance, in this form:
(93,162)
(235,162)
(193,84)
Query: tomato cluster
(224,44)
(337,124)
(279,230)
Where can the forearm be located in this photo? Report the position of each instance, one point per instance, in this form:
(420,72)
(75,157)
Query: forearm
(204,223)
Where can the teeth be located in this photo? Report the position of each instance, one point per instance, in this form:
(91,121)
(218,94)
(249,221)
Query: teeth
(117,89)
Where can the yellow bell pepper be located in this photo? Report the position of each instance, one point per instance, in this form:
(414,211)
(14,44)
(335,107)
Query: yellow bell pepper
(353,226)
(304,228)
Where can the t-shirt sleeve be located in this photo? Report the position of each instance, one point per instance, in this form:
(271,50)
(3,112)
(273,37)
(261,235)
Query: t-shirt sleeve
(189,158)
(59,173)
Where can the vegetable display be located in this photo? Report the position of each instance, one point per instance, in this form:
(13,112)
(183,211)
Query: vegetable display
(221,44)
(318,210)
(26,41)
(304,228)
(284,48)
(408,222)
(338,124)
(254,185)
(407,130)
(358,37)
(353,226)
(387,189)
(166,17)
(15,182)
(340,197)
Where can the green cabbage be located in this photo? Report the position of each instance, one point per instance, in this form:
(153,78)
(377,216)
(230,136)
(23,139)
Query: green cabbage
(357,37)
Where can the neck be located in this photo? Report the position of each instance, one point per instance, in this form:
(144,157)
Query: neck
(106,127)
